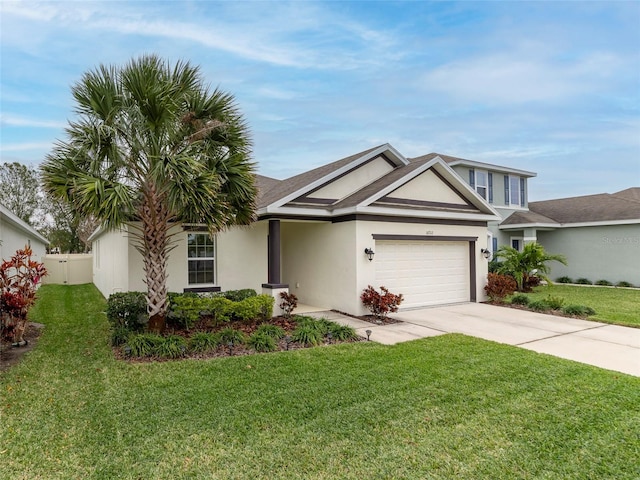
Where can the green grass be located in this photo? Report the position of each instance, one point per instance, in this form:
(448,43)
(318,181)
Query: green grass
(438,408)
(620,306)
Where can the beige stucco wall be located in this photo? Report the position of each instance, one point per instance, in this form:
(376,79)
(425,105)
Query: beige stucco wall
(319,263)
(110,262)
(355,180)
(241,260)
(428,187)
(325,265)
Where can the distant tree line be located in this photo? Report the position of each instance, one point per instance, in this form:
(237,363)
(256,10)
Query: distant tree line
(21,193)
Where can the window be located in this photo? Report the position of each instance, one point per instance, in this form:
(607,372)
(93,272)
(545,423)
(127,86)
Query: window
(490,178)
(200,253)
(481,183)
(494,245)
(514,190)
(516,243)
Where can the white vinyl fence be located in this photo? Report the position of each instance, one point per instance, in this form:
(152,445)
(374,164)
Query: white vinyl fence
(68,268)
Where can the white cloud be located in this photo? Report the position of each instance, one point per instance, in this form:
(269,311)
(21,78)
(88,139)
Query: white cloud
(18,121)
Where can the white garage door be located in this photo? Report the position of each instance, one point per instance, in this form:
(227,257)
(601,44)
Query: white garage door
(426,273)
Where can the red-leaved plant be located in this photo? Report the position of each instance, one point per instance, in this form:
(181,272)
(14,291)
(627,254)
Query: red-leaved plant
(19,278)
(380,304)
(288,304)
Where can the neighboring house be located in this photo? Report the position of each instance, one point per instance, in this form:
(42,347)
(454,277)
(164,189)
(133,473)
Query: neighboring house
(426,226)
(599,234)
(16,234)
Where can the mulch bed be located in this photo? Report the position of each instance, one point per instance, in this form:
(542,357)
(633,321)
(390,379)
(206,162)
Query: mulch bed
(370,318)
(10,355)
(517,306)
(248,328)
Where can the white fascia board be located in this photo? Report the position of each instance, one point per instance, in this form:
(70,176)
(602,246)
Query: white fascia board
(520,226)
(491,166)
(298,211)
(401,212)
(20,224)
(386,148)
(604,223)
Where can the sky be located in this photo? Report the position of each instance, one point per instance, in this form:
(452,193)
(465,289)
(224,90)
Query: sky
(548,87)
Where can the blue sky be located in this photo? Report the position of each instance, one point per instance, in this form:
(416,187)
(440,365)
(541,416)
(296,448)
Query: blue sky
(552,87)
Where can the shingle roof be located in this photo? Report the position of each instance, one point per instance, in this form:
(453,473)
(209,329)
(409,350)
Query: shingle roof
(519,218)
(286,187)
(601,207)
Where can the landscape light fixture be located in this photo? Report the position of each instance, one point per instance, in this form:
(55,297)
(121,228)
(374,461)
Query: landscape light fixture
(230,345)
(329,336)
(287,340)
(368,332)
(370,253)
(486,253)
(127,350)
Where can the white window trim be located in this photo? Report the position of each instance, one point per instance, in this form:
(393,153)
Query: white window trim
(214,258)
(520,239)
(486,183)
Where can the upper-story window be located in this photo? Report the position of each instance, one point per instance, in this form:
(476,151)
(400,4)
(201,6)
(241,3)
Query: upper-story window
(514,190)
(201,257)
(482,182)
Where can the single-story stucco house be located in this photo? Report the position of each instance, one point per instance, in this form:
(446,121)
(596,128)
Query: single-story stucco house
(598,234)
(15,234)
(423,226)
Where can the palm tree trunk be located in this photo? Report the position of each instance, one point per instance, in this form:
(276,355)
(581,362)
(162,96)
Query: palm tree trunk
(155,226)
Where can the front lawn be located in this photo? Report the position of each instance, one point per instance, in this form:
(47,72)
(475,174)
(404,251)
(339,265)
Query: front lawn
(620,306)
(439,408)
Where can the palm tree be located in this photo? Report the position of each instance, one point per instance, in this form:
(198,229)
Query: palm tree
(531,261)
(153,145)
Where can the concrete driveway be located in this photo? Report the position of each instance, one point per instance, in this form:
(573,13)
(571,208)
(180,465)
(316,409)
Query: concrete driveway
(600,344)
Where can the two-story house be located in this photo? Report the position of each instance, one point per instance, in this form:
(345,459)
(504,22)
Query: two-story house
(598,234)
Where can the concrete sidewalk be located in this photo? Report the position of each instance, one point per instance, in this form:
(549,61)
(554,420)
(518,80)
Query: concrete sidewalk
(599,344)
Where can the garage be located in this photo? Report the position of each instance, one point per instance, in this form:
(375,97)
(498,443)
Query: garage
(425,272)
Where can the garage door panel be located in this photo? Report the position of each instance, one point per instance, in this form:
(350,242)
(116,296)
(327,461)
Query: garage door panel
(426,273)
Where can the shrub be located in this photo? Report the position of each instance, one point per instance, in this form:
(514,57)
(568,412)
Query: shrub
(307,334)
(584,281)
(272,331)
(322,325)
(220,308)
(578,310)
(231,335)
(605,283)
(238,295)
(623,284)
(555,303)
(119,335)
(520,299)
(203,342)
(186,310)
(564,280)
(342,333)
(499,286)
(530,282)
(539,306)
(127,309)
(261,342)
(380,303)
(173,346)
(144,344)
(288,304)
(256,307)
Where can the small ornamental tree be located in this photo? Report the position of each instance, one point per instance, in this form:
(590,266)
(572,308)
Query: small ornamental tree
(380,304)
(19,278)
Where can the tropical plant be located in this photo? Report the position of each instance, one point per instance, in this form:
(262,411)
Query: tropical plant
(153,145)
(530,262)
(519,299)
(261,342)
(19,278)
(204,342)
(271,330)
